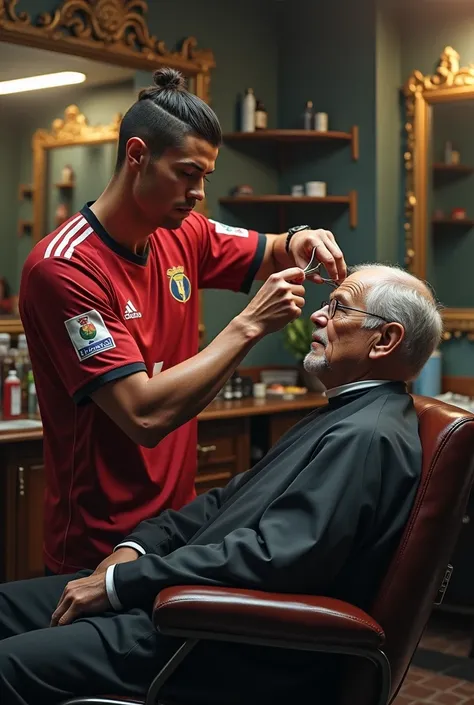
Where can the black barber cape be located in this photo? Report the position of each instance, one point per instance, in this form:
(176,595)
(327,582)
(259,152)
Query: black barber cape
(320,514)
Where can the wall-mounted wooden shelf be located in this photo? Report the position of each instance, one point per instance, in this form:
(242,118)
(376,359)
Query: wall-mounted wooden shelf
(24,227)
(292,136)
(25,191)
(282,200)
(453,168)
(453,222)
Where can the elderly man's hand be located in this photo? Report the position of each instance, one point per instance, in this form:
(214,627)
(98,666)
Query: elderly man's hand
(327,252)
(85,596)
(121,555)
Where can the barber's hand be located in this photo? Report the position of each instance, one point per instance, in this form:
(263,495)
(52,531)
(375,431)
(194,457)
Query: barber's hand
(121,555)
(328,253)
(85,596)
(278,301)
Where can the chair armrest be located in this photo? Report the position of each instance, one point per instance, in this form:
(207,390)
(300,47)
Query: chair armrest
(269,619)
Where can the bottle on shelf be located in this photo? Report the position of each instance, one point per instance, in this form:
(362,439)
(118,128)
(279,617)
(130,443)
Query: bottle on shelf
(33,411)
(248,111)
(308,116)
(11,396)
(23,366)
(237,387)
(228,393)
(261,116)
(448,152)
(5,341)
(67,175)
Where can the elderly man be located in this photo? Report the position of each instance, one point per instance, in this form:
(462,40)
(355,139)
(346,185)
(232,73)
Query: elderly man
(320,514)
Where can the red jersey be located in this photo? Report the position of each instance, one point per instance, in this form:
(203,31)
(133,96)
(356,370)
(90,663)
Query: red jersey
(93,312)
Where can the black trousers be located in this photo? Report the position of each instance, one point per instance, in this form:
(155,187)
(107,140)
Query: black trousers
(112,653)
(120,654)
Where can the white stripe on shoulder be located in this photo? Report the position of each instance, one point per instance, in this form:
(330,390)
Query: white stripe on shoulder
(68,237)
(70,250)
(57,237)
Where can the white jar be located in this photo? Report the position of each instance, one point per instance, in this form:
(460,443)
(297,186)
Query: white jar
(321,122)
(259,390)
(316,189)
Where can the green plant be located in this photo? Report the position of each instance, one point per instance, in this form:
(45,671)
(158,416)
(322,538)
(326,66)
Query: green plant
(297,337)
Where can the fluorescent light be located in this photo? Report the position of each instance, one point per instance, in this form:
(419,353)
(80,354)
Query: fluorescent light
(35,83)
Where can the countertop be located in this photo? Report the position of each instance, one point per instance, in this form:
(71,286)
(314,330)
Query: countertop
(217,409)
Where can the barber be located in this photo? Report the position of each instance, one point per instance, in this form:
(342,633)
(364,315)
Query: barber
(111,315)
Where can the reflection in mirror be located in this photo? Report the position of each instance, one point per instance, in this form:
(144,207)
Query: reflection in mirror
(106,91)
(450,202)
(75,175)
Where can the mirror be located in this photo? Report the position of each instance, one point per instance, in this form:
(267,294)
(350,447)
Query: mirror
(58,144)
(439,167)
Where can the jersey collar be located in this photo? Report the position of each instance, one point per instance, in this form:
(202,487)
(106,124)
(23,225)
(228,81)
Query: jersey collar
(109,240)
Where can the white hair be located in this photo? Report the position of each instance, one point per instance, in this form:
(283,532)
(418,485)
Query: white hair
(398,298)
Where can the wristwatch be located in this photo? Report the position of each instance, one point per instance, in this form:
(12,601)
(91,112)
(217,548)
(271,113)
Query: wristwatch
(291,232)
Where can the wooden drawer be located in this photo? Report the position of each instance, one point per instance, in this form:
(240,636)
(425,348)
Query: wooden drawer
(223,451)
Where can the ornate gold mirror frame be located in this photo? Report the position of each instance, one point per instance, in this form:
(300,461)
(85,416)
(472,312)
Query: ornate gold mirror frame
(72,130)
(450,83)
(109,31)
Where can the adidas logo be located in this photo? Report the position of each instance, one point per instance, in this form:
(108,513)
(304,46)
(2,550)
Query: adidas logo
(131,311)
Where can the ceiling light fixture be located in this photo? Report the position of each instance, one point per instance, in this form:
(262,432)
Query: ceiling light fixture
(35,83)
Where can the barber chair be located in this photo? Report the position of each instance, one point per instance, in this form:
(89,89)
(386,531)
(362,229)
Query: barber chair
(385,641)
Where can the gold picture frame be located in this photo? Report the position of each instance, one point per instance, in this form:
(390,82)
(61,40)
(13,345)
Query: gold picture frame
(451,82)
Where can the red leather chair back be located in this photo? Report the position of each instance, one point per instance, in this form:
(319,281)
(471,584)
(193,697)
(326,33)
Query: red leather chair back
(408,592)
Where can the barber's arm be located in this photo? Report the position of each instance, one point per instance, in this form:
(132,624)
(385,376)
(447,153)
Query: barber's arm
(111,371)
(296,246)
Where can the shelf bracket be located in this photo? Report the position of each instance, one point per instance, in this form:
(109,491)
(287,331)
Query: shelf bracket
(355,143)
(353,209)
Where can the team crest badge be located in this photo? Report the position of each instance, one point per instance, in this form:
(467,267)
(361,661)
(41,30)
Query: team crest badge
(87,330)
(180,286)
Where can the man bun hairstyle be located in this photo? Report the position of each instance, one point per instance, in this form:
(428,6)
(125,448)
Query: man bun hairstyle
(164,114)
(164,79)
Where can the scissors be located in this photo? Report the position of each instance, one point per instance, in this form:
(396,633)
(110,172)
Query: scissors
(314,269)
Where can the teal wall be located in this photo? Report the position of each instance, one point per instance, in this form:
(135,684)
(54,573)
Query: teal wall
(388,137)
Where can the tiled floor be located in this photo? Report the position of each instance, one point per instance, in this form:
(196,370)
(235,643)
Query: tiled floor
(442,673)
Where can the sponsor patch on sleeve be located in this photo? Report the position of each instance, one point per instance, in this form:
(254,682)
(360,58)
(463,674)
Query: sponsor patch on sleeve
(89,334)
(223,229)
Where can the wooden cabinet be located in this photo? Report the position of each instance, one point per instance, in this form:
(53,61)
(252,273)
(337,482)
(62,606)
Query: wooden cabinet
(223,451)
(224,437)
(21,501)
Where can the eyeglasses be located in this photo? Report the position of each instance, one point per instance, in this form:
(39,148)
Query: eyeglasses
(333,305)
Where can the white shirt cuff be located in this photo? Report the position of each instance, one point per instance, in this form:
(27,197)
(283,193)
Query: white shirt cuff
(131,544)
(110,588)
